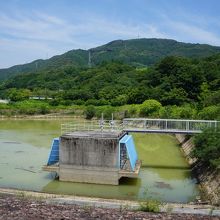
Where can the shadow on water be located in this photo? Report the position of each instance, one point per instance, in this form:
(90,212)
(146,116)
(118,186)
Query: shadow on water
(130,181)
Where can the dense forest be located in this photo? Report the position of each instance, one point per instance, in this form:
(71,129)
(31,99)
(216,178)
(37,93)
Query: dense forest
(175,87)
(136,52)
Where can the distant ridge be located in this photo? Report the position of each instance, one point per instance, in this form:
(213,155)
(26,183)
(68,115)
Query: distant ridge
(137,52)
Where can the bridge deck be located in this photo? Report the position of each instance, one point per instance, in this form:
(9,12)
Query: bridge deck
(174,126)
(168,131)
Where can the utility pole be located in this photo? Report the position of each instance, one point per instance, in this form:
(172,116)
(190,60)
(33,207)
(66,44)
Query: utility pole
(89,61)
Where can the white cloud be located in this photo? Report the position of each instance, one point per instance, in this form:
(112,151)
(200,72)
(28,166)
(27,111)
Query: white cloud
(29,36)
(192,33)
(32,35)
(188,27)
(124,30)
(35,27)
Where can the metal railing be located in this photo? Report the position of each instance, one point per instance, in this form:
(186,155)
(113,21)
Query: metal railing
(141,125)
(94,125)
(168,125)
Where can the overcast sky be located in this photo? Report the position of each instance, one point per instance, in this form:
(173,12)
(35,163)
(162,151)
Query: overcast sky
(39,29)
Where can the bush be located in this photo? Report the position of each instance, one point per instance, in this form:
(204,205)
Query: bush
(31,107)
(210,112)
(150,206)
(150,107)
(106,110)
(184,112)
(97,102)
(89,112)
(165,112)
(18,94)
(119,100)
(132,110)
(207,146)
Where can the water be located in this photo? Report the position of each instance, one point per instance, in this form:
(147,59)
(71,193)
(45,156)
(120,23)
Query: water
(24,148)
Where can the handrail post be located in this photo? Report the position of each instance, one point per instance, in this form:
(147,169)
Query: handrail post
(187,125)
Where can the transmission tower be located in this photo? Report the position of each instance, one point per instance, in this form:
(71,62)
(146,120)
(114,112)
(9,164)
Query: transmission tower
(89,61)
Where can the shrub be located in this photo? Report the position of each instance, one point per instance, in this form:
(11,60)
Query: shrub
(207,146)
(31,107)
(89,112)
(183,112)
(119,100)
(107,111)
(150,206)
(210,112)
(132,110)
(150,107)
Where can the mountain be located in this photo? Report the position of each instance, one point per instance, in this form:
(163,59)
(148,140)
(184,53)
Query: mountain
(137,52)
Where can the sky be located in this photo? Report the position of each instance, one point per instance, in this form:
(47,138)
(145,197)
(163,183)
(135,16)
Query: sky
(40,29)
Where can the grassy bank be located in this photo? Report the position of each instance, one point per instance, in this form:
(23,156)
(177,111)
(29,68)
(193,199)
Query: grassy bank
(150,108)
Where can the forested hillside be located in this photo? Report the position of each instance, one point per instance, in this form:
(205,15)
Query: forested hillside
(136,52)
(174,87)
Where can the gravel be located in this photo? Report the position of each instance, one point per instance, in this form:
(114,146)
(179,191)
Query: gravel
(25,208)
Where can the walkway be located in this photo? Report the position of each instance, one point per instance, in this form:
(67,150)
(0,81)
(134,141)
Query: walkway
(144,125)
(174,126)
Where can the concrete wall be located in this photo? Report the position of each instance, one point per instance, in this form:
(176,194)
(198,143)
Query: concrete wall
(89,151)
(83,174)
(187,147)
(208,178)
(89,157)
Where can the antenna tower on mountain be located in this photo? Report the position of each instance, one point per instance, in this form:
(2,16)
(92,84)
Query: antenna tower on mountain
(89,61)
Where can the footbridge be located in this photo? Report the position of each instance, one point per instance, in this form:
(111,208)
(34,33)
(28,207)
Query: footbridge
(144,125)
(174,126)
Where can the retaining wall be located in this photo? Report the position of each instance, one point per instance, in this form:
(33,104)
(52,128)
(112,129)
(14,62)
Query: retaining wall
(208,178)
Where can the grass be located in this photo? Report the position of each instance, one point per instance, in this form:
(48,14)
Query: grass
(150,206)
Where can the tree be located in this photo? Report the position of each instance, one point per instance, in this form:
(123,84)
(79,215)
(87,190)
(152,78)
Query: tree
(175,97)
(150,107)
(119,100)
(184,112)
(138,95)
(212,98)
(89,112)
(18,94)
(207,146)
(210,112)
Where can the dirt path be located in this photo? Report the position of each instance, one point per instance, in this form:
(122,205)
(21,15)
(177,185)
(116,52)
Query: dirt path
(16,205)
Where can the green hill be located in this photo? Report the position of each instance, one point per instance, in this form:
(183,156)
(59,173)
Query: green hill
(137,52)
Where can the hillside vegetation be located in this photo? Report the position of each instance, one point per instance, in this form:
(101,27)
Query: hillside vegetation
(175,87)
(136,52)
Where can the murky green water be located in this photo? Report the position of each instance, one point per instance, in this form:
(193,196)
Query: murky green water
(24,148)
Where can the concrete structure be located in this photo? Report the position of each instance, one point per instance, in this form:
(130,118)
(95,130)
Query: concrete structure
(95,157)
(4,101)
